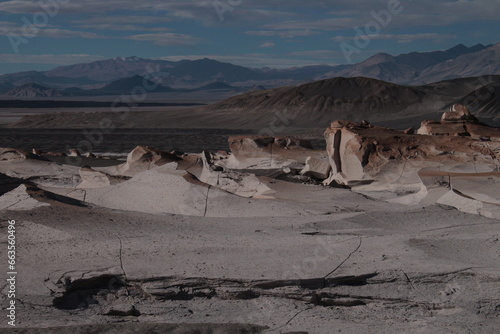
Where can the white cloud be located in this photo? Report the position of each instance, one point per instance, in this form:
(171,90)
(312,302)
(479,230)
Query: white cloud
(115,27)
(166,39)
(318,54)
(399,38)
(124,19)
(64,59)
(267,45)
(7,29)
(65,33)
(282,33)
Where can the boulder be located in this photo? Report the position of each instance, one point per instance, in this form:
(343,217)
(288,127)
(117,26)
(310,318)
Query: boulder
(143,158)
(317,168)
(74,153)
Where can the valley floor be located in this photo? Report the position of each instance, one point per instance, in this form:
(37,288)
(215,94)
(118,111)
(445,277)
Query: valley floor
(312,260)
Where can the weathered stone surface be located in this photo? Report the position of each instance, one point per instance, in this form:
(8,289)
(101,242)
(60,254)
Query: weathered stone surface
(257,152)
(458,113)
(241,184)
(143,158)
(7,154)
(363,154)
(434,128)
(317,168)
(74,153)
(92,178)
(459,122)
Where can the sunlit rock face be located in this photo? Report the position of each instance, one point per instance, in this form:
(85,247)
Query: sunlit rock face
(363,153)
(261,152)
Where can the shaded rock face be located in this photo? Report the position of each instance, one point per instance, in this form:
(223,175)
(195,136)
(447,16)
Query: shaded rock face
(364,153)
(260,152)
(143,158)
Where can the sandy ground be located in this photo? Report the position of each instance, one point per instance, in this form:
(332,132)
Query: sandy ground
(312,260)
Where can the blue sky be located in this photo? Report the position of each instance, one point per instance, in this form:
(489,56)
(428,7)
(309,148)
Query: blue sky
(43,34)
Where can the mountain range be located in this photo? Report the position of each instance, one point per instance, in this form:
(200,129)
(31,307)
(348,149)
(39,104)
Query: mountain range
(122,75)
(310,105)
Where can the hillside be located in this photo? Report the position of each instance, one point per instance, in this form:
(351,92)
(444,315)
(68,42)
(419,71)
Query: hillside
(31,90)
(311,105)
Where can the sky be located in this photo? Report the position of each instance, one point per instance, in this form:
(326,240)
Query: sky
(43,34)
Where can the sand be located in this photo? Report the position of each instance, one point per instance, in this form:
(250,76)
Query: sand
(164,253)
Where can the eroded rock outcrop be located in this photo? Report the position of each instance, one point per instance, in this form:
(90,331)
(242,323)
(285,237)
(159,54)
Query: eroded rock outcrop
(316,168)
(366,153)
(143,158)
(260,152)
(458,113)
(241,184)
(92,178)
(459,122)
(9,154)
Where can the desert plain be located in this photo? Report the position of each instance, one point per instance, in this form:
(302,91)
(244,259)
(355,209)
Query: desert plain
(378,231)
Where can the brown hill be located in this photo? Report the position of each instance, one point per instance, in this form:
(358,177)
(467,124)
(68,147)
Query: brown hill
(315,103)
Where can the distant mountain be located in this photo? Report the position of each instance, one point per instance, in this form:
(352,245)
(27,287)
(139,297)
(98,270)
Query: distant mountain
(486,61)
(408,69)
(423,60)
(426,67)
(218,85)
(31,90)
(110,69)
(382,67)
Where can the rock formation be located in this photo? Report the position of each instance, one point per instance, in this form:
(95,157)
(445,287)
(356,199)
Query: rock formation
(261,152)
(316,168)
(454,162)
(7,154)
(458,113)
(92,178)
(459,122)
(241,184)
(74,153)
(366,153)
(144,158)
